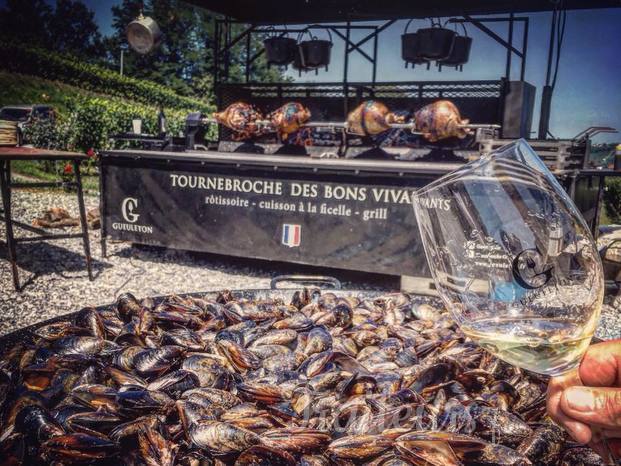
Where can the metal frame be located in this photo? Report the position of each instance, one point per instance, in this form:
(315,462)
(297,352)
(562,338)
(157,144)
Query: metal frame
(223,44)
(222,48)
(6,186)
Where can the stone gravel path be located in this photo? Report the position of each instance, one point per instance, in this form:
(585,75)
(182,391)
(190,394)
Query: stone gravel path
(56,281)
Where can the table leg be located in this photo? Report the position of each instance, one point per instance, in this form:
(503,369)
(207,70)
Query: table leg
(85,239)
(598,206)
(5,181)
(102,210)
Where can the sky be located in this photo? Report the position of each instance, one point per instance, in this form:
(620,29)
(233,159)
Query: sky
(588,91)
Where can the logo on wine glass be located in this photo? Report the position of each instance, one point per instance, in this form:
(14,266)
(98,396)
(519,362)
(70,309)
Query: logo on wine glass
(530,269)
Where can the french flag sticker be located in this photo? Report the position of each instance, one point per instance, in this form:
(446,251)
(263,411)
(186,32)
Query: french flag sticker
(291,235)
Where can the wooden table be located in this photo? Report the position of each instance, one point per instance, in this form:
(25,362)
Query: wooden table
(7,155)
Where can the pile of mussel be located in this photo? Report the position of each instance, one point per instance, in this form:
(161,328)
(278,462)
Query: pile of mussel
(320,380)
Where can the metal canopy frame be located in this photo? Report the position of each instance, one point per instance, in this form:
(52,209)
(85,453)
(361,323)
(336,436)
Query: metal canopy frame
(224,42)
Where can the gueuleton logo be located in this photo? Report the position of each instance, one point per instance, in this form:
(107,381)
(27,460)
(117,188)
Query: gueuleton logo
(129,208)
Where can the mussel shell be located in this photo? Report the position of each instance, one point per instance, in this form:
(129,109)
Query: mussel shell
(260,455)
(37,424)
(157,360)
(175,383)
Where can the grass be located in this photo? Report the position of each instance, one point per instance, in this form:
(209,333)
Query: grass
(16,89)
(33,169)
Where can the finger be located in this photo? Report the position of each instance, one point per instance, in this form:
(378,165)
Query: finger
(579,431)
(606,450)
(601,365)
(594,406)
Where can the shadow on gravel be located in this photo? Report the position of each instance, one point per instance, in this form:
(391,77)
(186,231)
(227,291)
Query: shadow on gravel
(256,267)
(44,258)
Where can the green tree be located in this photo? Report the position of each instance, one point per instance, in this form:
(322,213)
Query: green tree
(26,21)
(184,59)
(73,30)
(69,28)
(612,199)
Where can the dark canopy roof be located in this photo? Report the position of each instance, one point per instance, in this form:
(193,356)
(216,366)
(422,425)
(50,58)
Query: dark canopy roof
(315,11)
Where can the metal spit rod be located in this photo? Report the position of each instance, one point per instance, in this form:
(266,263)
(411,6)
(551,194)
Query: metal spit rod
(343,125)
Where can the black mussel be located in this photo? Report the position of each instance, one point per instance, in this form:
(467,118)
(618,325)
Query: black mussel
(90,320)
(142,402)
(544,445)
(81,448)
(264,393)
(57,330)
(96,397)
(126,358)
(260,455)
(183,337)
(231,335)
(359,447)
(580,456)
(132,428)
(123,378)
(501,426)
(319,340)
(95,423)
(37,424)
(156,449)
(239,357)
(128,306)
(212,396)
(175,383)
(158,360)
(433,375)
(296,439)
(89,346)
(208,368)
(222,438)
(497,455)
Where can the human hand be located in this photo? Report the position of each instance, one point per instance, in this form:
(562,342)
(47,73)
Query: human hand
(587,401)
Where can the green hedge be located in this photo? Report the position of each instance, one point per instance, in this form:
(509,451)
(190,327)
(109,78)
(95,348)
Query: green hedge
(91,121)
(612,199)
(38,62)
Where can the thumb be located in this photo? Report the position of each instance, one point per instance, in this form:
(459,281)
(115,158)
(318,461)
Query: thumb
(595,406)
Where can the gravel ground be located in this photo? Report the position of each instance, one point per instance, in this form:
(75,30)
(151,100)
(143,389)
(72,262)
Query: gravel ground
(55,281)
(54,278)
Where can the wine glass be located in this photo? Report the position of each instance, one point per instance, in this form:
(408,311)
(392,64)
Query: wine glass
(513,259)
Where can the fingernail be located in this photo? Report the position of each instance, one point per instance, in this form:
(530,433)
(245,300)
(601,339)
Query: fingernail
(579,399)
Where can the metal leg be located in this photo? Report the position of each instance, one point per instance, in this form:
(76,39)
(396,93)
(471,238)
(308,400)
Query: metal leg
(600,199)
(102,209)
(85,239)
(5,180)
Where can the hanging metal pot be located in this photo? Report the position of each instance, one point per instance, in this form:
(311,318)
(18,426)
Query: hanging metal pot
(280,50)
(436,42)
(314,53)
(143,34)
(461,52)
(410,50)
